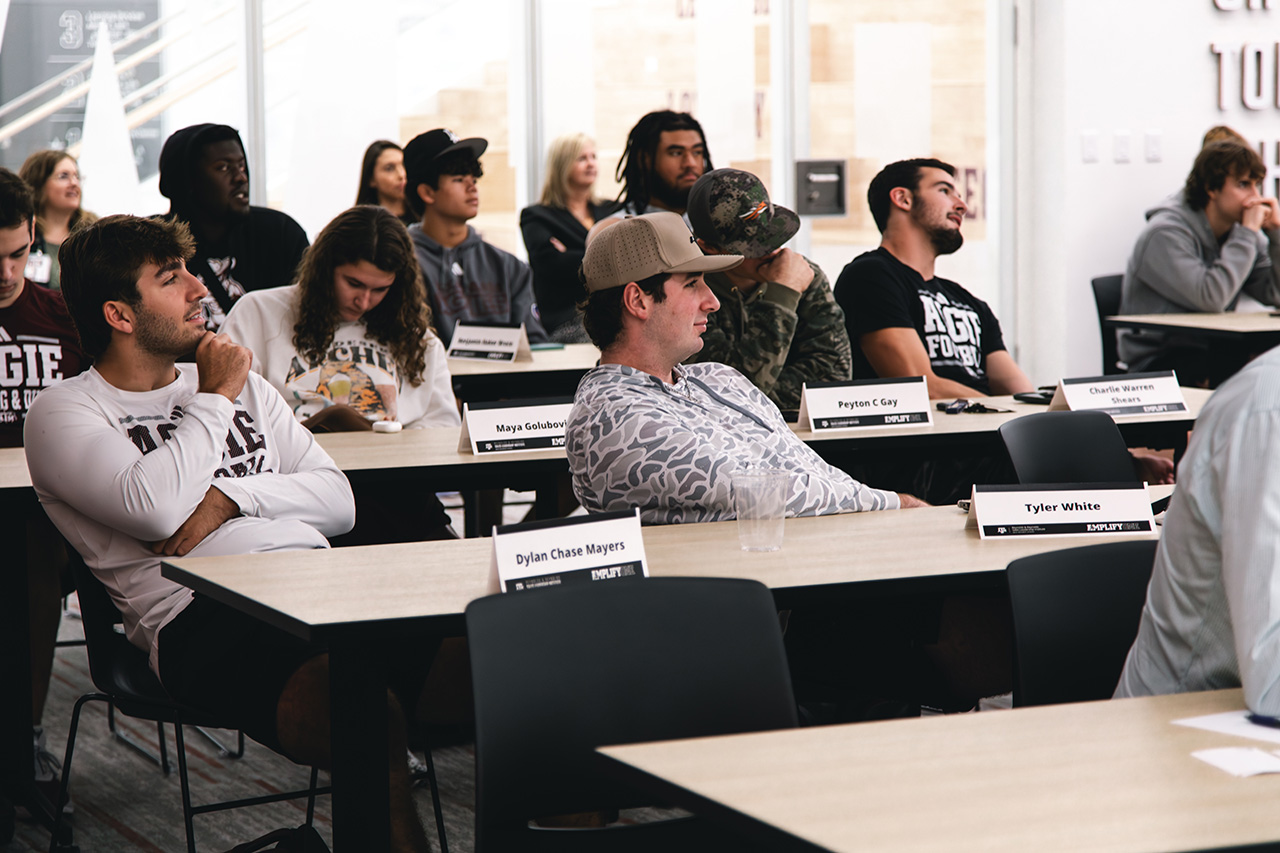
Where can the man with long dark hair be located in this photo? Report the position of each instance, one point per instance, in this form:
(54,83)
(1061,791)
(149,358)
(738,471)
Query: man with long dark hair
(666,153)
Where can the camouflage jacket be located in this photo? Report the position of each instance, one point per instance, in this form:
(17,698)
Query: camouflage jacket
(777,338)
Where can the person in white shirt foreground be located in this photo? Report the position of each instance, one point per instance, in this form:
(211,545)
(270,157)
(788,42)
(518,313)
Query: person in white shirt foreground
(1213,607)
(350,343)
(140,458)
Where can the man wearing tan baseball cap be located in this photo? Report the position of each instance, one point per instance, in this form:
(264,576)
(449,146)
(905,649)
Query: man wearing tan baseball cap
(647,431)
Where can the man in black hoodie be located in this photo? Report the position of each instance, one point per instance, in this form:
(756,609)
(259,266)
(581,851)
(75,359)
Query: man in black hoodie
(239,247)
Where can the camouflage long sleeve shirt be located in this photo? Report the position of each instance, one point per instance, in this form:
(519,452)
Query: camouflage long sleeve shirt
(777,338)
(671,450)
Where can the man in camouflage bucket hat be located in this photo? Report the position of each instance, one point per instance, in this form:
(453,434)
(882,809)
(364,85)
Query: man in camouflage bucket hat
(778,322)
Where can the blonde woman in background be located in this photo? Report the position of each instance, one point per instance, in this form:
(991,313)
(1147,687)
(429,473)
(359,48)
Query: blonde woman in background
(54,178)
(555,233)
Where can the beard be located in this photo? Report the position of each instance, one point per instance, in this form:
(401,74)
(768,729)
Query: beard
(945,241)
(671,197)
(157,335)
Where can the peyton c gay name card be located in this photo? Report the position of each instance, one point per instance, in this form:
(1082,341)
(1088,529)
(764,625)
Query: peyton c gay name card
(1122,509)
(1125,394)
(490,342)
(865,403)
(510,426)
(580,549)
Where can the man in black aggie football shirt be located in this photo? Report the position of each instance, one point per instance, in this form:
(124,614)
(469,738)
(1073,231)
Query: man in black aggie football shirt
(904,320)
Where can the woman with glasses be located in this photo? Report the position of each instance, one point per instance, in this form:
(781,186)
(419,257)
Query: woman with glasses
(54,177)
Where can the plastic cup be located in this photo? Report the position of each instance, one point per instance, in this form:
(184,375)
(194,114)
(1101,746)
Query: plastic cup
(760,502)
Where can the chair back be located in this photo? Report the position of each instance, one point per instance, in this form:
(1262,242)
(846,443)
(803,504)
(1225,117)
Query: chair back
(1106,296)
(117,667)
(1075,615)
(1067,447)
(558,672)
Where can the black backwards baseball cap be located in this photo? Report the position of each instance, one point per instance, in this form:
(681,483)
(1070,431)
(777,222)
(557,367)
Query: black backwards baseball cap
(730,209)
(426,148)
(641,246)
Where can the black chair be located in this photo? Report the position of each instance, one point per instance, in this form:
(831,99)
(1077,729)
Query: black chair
(1067,447)
(124,680)
(1075,615)
(560,671)
(1106,296)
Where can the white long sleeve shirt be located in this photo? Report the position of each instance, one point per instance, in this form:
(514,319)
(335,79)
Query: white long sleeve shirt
(119,470)
(357,370)
(1212,617)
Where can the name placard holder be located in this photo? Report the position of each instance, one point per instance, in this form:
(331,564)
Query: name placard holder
(490,342)
(1124,394)
(1077,509)
(580,549)
(866,404)
(511,426)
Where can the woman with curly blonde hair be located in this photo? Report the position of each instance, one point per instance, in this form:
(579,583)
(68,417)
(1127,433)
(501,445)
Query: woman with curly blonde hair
(54,178)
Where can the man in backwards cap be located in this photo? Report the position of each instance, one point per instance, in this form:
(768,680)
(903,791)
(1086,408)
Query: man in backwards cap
(649,431)
(778,322)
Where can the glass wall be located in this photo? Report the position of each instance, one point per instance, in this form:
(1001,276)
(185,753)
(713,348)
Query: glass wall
(876,82)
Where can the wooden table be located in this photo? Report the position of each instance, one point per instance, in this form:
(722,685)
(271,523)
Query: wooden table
(1097,776)
(1242,326)
(551,373)
(334,597)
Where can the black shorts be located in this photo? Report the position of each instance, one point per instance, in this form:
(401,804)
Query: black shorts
(230,665)
(234,667)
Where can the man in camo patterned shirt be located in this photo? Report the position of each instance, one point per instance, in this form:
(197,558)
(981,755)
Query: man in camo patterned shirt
(647,431)
(778,321)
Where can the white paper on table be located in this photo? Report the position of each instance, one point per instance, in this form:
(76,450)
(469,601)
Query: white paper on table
(1240,760)
(1232,723)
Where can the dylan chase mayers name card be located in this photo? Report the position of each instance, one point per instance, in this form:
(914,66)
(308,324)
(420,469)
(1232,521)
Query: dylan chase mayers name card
(580,549)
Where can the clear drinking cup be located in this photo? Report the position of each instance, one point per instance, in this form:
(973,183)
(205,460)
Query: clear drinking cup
(760,502)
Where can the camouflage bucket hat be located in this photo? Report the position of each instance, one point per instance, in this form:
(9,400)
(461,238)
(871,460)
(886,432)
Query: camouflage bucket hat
(730,209)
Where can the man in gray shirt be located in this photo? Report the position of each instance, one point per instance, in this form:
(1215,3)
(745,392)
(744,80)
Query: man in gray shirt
(1201,249)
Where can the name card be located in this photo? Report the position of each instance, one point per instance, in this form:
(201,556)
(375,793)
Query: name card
(1125,394)
(1091,509)
(492,342)
(509,426)
(865,403)
(581,549)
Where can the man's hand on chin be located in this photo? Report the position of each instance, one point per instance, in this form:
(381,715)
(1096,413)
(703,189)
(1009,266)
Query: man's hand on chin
(213,510)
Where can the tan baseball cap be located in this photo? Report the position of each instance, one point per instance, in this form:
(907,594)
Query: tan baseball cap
(641,246)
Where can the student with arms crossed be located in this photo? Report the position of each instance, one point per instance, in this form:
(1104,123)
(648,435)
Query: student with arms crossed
(140,458)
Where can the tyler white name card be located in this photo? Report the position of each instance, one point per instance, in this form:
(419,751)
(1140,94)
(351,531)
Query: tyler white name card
(1124,394)
(505,342)
(509,426)
(865,403)
(1122,509)
(581,549)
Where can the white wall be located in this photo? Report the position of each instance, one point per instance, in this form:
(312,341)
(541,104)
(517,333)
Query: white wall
(1102,67)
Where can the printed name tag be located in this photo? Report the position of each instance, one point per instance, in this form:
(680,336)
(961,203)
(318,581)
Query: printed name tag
(510,426)
(865,403)
(507,342)
(39,267)
(1092,509)
(582,549)
(1125,394)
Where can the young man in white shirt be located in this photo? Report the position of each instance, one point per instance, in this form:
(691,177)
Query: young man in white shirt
(140,458)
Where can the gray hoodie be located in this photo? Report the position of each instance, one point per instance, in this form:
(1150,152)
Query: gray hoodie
(1177,267)
(475,281)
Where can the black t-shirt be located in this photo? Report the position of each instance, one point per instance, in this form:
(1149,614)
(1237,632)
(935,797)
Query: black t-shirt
(958,330)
